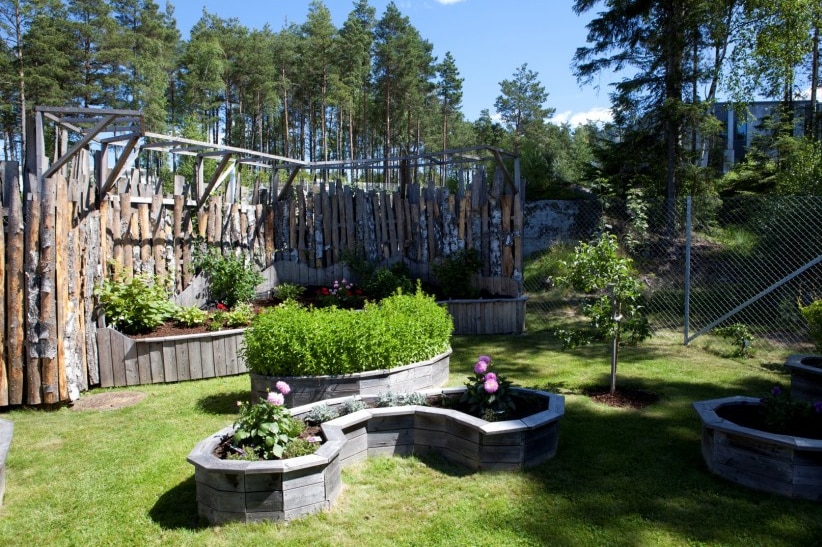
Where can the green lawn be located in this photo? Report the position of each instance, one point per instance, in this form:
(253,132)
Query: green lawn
(620,477)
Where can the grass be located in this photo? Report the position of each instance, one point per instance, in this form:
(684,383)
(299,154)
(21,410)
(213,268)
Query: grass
(620,477)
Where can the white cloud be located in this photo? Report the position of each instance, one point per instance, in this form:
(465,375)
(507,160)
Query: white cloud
(597,115)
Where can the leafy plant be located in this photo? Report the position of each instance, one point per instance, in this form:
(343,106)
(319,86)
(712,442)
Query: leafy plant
(292,340)
(320,414)
(190,316)
(487,393)
(414,398)
(353,405)
(786,415)
(342,293)
(741,336)
(232,280)
(384,282)
(266,428)
(454,273)
(813,316)
(239,316)
(137,305)
(289,291)
(388,399)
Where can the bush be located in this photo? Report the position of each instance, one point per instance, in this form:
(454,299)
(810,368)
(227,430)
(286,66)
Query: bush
(454,273)
(137,305)
(813,315)
(232,280)
(291,340)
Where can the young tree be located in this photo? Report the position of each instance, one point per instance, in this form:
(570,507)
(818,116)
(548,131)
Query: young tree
(449,92)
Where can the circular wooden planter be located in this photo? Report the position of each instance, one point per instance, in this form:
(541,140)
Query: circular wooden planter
(780,464)
(405,379)
(806,377)
(285,489)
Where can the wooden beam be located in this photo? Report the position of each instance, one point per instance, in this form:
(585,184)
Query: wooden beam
(287,186)
(122,163)
(79,145)
(219,176)
(507,176)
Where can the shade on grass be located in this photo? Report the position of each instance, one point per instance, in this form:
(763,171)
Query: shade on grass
(620,476)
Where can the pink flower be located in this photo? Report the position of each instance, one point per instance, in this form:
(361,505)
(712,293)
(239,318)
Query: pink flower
(283,388)
(480,367)
(490,376)
(490,386)
(485,358)
(275,398)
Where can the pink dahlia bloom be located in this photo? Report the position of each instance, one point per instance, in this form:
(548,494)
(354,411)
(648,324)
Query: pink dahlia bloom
(490,386)
(283,388)
(490,376)
(275,398)
(481,366)
(485,358)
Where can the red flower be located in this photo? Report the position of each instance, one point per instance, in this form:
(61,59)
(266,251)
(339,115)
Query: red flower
(221,306)
(325,290)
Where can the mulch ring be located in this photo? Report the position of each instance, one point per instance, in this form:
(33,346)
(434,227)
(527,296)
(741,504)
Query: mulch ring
(624,397)
(111,400)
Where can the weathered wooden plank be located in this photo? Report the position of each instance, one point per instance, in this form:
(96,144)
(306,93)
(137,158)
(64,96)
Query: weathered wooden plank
(506,202)
(181,362)
(104,357)
(169,362)
(155,357)
(118,356)
(158,234)
(207,357)
(130,362)
(48,304)
(177,235)
(62,227)
(128,231)
(195,365)
(219,349)
(145,238)
(143,363)
(231,355)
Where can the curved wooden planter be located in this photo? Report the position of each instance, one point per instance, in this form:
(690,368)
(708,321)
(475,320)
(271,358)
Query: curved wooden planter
(806,377)
(6,432)
(405,379)
(780,464)
(487,315)
(285,489)
(126,361)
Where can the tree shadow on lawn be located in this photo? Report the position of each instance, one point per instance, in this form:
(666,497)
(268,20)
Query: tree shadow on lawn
(222,403)
(626,476)
(177,508)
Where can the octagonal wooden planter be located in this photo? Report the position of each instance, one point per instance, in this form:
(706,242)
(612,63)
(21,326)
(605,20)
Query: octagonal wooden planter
(806,377)
(285,489)
(418,376)
(780,464)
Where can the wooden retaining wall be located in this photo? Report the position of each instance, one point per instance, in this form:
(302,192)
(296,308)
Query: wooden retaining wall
(127,361)
(65,232)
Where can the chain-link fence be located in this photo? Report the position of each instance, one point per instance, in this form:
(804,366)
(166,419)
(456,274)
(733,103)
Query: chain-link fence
(747,261)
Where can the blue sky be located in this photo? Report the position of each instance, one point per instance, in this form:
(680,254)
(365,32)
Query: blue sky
(489,40)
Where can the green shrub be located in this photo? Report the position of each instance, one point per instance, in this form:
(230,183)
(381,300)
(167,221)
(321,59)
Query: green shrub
(454,273)
(813,315)
(291,340)
(190,316)
(741,336)
(232,280)
(288,291)
(137,305)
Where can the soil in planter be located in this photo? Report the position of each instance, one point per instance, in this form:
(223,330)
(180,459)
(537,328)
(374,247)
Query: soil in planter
(753,417)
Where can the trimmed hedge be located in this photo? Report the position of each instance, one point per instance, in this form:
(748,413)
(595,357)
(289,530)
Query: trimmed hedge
(292,340)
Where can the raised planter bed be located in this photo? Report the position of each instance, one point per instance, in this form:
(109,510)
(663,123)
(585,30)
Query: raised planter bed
(806,377)
(488,315)
(405,379)
(6,431)
(126,361)
(780,464)
(284,489)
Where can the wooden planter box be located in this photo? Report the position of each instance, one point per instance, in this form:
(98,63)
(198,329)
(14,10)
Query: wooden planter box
(780,464)
(284,489)
(6,432)
(127,361)
(488,316)
(806,377)
(405,379)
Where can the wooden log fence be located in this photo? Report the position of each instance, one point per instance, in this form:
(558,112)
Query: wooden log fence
(62,238)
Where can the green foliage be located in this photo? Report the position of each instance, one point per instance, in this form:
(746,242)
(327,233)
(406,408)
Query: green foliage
(813,316)
(414,398)
(266,428)
(741,336)
(291,340)
(232,280)
(488,394)
(387,399)
(289,291)
(320,414)
(454,273)
(598,270)
(353,405)
(342,294)
(789,416)
(239,316)
(190,316)
(137,305)
(384,282)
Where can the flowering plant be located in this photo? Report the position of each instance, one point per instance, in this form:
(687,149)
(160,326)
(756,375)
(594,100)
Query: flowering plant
(487,393)
(342,293)
(266,428)
(786,415)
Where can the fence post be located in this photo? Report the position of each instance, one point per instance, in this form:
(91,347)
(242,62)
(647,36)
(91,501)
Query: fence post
(687,269)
